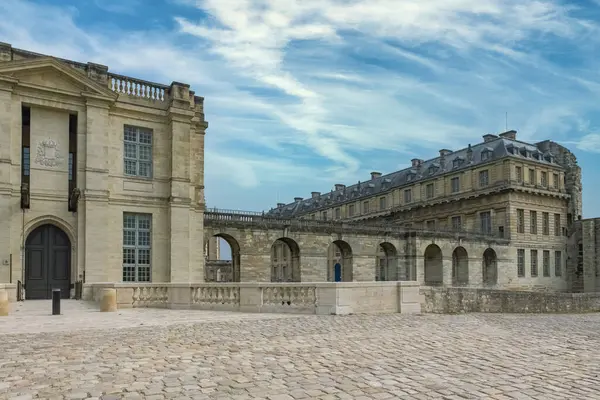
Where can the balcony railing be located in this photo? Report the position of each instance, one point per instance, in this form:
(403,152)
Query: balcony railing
(137,87)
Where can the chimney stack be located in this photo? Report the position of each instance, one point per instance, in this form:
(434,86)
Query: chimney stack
(469,154)
(445,152)
(297,199)
(512,135)
(375,175)
(315,194)
(489,137)
(279,205)
(416,162)
(339,186)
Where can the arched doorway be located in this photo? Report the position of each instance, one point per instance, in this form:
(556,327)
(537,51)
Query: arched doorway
(285,261)
(490,267)
(47,263)
(339,265)
(460,266)
(387,263)
(434,266)
(224,270)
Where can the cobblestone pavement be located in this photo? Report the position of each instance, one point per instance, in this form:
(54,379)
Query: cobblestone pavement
(209,355)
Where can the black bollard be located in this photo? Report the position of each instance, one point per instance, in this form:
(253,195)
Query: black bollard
(55,301)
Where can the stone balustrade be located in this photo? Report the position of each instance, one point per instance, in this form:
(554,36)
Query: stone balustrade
(298,298)
(137,88)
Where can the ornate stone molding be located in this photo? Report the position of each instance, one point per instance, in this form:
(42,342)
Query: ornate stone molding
(48,153)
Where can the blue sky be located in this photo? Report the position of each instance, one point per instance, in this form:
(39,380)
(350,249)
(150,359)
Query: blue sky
(301,95)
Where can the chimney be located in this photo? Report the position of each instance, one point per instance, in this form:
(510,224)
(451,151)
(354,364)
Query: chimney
(512,135)
(339,186)
(297,199)
(445,152)
(375,175)
(416,162)
(489,137)
(469,154)
(315,194)
(279,205)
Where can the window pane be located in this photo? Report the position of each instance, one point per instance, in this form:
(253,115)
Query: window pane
(129,238)
(145,169)
(129,221)
(145,137)
(144,256)
(143,239)
(130,150)
(130,167)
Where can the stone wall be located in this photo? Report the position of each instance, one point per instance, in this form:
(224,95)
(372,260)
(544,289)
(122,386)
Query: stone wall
(460,300)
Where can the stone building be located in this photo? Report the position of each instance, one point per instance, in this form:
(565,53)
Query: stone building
(101,176)
(526,193)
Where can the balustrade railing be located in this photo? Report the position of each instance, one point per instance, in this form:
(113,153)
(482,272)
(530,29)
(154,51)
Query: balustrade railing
(137,87)
(150,296)
(221,294)
(292,296)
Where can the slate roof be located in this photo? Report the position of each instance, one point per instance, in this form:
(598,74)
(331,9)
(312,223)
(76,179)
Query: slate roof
(498,148)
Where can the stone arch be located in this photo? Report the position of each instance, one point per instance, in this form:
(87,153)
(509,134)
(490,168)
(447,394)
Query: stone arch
(490,267)
(460,266)
(285,260)
(234,273)
(339,264)
(387,263)
(434,265)
(64,226)
(48,262)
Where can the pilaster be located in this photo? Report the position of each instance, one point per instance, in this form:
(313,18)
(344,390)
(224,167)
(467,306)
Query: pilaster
(95,195)
(183,231)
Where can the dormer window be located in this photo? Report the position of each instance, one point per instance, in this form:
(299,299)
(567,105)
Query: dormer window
(523,151)
(457,162)
(432,169)
(486,154)
(410,177)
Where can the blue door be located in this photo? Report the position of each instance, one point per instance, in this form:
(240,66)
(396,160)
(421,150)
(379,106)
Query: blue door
(338,272)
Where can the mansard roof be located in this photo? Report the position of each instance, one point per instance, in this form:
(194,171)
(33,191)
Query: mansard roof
(469,157)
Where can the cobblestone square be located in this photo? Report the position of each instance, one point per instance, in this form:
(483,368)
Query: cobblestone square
(167,354)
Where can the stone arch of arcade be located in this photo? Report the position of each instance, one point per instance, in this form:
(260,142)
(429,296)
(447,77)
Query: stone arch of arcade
(285,260)
(261,254)
(235,274)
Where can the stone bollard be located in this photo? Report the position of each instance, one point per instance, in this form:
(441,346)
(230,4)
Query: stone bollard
(108,302)
(4,305)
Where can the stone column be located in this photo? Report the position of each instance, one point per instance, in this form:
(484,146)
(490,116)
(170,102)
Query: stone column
(180,117)
(447,270)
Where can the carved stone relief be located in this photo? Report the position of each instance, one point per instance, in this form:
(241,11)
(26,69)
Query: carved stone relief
(48,153)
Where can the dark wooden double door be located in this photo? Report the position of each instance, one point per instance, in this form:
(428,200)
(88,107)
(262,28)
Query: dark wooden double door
(47,263)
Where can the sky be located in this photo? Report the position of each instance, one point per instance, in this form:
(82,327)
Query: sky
(300,95)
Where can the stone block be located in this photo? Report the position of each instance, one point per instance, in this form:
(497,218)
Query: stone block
(108,303)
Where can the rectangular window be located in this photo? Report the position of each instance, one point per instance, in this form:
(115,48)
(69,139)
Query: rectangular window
(534,263)
(137,245)
(521,262)
(546,262)
(72,162)
(532,176)
(557,263)
(27,161)
(324,215)
(138,152)
(382,203)
(338,213)
(519,174)
(456,223)
(431,225)
(351,210)
(545,223)
(484,178)
(520,220)
(557,227)
(365,207)
(429,191)
(533,222)
(486,221)
(407,196)
(555,181)
(544,179)
(313,216)
(25,153)
(455,184)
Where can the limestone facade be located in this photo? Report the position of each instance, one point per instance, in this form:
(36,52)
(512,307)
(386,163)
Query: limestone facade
(101,176)
(528,194)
